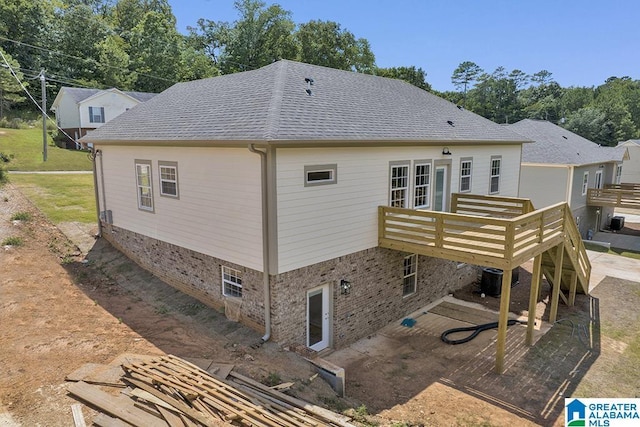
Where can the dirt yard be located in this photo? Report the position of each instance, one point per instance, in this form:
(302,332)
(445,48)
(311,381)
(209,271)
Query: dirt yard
(60,309)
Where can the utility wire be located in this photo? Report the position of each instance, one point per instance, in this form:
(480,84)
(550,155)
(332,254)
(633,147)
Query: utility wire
(91,60)
(15,76)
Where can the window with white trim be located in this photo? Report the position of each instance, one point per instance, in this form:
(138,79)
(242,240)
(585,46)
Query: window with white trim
(168,179)
(585,183)
(618,178)
(399,186)
(410,275)
(598,179)
(422,187)
(494,180)
(465,175)
(320,175)
(231,282)
(143,182)
(96,114)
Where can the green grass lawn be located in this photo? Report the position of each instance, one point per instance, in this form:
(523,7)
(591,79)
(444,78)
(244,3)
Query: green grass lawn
(617,251)
(62,198)
(24,148)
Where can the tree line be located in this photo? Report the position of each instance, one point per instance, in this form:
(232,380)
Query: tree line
(135,45)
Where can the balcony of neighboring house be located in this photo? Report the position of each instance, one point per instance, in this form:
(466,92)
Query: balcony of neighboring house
(625,195)
(498,232)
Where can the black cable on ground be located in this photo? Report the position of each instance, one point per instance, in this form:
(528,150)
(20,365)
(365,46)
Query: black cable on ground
(476,330)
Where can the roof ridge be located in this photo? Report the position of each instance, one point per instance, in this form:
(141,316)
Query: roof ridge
(272,125)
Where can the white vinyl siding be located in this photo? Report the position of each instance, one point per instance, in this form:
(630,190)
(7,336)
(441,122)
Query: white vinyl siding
(143,184)
(316,224)
(422,185)
(465,175)
(219,213)
(545,185)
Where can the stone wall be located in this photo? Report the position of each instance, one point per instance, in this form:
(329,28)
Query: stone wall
(375,299)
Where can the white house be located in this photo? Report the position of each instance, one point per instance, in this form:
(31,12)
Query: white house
(259,191)
(631,168)
(79,110)
(561,166)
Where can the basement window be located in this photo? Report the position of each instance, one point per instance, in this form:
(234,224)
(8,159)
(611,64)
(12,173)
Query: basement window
(410,275)
(231,282)
(320,175)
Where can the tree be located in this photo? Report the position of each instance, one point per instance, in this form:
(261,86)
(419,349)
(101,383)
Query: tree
(592,124)
(496,96)
(261,36)
(416,77)
(325,43)
(463,76)
(10,89)
(155,52)
(114,63)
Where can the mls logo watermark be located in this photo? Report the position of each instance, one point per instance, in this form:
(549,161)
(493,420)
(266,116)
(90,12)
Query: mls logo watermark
(601,412)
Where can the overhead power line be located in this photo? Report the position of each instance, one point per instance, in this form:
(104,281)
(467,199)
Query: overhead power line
(90,60)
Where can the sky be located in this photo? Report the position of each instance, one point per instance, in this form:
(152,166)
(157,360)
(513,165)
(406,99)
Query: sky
(581,42)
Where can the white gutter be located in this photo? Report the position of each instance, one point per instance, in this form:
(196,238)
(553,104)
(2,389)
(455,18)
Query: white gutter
(265,242)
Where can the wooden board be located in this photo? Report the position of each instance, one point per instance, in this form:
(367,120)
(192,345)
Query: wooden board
(464,313)
(113,405)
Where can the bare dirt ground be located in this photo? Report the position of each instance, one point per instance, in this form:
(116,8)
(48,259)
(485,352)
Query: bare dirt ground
(60,309)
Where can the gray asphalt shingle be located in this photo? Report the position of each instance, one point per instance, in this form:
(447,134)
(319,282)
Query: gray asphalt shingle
(271,104)
(80,94)
(556,145)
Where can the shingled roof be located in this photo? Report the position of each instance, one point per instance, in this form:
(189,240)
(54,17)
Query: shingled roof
(80,94)
(292,101)
(556,145)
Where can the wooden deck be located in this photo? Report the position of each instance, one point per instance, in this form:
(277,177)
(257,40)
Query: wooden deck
(616,195)
(497,232)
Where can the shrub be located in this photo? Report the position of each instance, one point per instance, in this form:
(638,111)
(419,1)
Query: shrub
(21,216)
(12,241)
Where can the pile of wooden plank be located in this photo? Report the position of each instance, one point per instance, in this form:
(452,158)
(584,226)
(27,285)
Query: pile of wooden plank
(169,391)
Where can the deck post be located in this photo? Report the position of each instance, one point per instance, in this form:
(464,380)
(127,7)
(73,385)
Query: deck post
(557,282)
(505,299)
(536,275)
(572,289)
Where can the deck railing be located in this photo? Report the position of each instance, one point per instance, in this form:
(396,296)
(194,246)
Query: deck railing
(503,243)
(496,206)
(617,195)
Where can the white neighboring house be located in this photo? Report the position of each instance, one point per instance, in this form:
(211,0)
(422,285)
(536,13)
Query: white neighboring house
(631,168)
(79,110)
(561,166)
(260,192)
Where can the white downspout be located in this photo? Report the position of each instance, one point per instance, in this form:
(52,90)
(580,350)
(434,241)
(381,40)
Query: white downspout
(94,153)
(265,242)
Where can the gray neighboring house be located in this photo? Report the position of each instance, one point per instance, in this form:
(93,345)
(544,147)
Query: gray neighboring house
(79,110)
(560,166)
(259,192)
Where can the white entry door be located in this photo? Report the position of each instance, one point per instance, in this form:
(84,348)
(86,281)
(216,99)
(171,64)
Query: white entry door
(318,318)
(440,193)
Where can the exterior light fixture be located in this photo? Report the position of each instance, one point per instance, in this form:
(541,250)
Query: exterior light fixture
(446,152)
(345,287)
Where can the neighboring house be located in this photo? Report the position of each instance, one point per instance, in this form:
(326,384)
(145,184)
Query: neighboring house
(561,166)
(79,110)
(631,168)
(259,192)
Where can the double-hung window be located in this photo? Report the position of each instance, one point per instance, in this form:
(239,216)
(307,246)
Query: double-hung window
(168,179)
(143,182)
(399,186)
(410,275)
(494,180)
(422,188)
(231,282)
(585,183)
(96,114)
(465,175)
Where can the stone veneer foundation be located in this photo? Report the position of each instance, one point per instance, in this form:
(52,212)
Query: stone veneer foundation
(374,301)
